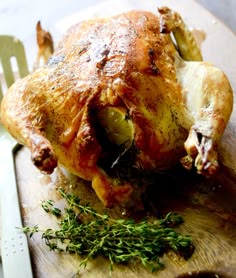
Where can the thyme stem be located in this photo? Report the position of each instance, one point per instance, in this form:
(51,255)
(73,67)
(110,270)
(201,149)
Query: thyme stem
(84,231)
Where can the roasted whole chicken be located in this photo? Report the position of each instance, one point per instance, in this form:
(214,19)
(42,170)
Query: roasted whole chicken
(135,81)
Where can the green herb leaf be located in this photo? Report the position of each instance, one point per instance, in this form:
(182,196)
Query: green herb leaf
(121,240)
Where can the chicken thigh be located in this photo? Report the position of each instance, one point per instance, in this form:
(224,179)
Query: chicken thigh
(135,80)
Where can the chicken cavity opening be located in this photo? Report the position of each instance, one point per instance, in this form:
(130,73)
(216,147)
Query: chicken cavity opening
(115,134)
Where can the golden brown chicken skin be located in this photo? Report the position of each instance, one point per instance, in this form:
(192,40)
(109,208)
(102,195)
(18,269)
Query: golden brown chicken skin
(130,63)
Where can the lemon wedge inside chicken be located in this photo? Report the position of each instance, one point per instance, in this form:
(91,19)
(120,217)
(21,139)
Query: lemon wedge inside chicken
(117,125)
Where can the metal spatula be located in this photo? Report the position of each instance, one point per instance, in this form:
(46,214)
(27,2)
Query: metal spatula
(14,246)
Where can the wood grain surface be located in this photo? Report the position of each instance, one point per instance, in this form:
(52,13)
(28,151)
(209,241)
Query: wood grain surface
(208,219)
(207,205)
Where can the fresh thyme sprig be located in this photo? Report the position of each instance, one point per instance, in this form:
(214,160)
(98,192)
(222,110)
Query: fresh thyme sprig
(84,231)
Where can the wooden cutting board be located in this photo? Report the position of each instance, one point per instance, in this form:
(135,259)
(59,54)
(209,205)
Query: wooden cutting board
(208,206)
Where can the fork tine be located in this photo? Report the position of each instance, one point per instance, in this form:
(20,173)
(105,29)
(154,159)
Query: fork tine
(12,47)
(1,95)
(8,72)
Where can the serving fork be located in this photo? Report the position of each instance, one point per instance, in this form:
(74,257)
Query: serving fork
(15,255)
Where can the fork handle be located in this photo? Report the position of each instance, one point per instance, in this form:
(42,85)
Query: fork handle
(14,245)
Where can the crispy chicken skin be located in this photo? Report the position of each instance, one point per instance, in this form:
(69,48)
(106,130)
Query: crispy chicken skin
(178,108)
